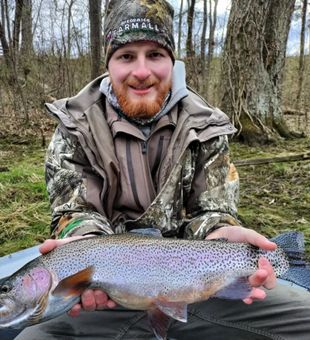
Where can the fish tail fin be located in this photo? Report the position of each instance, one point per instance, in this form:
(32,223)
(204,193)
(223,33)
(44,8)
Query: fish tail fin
(299,268)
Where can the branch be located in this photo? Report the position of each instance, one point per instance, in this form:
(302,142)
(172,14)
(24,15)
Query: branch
(257,161)
(291,111)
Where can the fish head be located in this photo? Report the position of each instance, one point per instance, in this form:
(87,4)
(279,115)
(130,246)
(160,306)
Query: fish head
(24,297)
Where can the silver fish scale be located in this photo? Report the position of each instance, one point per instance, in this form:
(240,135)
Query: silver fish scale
(149,266)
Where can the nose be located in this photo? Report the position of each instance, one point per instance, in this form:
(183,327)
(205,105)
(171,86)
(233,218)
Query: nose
(141,69)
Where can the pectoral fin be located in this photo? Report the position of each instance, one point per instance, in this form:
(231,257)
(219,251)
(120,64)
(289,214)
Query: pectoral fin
(239,288)
(75,284)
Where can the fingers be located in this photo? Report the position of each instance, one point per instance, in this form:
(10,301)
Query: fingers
(75,310)
(92,300)
(241,234)
(259,240)
(256,294)
(271,279)
(50,244)
(263,277)
(47,246)
(88,300)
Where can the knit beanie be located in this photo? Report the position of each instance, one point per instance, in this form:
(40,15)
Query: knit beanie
(135,20)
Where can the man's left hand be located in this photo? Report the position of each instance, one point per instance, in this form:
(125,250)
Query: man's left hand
(264,277)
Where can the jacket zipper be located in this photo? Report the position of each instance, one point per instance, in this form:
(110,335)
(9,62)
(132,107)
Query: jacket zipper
(144,147)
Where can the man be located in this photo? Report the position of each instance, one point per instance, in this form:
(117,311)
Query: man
(136,148)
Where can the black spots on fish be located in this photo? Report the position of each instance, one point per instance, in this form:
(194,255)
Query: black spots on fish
(278,260)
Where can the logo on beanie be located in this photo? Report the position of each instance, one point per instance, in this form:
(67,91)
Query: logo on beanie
(131,25)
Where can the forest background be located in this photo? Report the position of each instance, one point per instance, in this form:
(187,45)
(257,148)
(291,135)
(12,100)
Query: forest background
(250,58)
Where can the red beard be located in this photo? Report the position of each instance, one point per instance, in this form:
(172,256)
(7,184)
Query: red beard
(144,107)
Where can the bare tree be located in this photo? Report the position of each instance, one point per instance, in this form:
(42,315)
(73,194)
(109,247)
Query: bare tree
(2,20)
(301,67)
(5,46)
(95,36)
(211,43)
(7,20)
(203,43)
(69,35)
(253,60)
(190,22)
(17,28)
(27,38)
(180,28)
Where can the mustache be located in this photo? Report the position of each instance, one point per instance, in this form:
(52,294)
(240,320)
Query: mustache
(142,84)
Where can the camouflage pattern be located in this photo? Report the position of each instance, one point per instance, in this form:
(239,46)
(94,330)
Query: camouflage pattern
(198,186)
(67,190)
(137,20)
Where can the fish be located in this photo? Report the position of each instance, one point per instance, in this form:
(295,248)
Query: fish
(143,271)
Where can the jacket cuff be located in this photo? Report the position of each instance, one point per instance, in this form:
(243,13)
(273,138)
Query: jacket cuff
(216,227)
(200,227)
(82,230)
(80,225)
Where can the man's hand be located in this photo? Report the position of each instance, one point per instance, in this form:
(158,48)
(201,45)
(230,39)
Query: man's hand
(264,276)
(91,299)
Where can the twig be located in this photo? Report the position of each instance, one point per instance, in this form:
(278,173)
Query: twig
(257,161)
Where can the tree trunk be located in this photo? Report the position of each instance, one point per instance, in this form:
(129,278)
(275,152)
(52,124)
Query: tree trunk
(212,21)
(16,29)
(2,20)
(301,67)
(203,47)
(180,28)
(69,44)
(95,36)
(7,20)
(5,46)
(27,39)
(190,19)
(253,61)
(191,61)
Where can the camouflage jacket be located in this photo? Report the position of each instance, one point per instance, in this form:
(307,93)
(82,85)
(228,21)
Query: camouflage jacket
(103,176)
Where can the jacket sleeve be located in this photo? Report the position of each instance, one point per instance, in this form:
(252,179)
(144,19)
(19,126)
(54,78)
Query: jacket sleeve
(213,198)
(66,167)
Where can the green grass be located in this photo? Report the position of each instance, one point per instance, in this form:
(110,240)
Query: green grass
(24,213)
(273,198)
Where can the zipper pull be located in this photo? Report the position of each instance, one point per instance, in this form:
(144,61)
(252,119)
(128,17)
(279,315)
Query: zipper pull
(144,147)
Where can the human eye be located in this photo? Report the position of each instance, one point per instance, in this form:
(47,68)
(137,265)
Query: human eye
(156,55)
(126,57)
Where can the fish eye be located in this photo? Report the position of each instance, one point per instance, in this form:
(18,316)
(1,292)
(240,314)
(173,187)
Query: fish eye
(4,289)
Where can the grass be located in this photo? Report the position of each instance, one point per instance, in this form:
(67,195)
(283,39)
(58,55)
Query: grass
(24,214)
(273,198)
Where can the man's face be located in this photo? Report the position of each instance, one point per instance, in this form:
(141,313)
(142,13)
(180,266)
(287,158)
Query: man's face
(141,74)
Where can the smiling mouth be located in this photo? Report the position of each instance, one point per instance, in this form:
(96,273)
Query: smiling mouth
(141,89)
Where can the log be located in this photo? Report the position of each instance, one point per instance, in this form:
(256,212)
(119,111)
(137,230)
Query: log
(293,112)
(258,161)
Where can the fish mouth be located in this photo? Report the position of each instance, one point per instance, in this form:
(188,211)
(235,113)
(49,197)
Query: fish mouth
(11,313)
(17,315)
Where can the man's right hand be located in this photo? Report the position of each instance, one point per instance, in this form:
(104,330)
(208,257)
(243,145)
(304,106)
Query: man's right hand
(91,299)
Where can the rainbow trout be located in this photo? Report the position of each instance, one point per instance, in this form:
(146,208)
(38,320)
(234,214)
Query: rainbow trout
(160,275)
